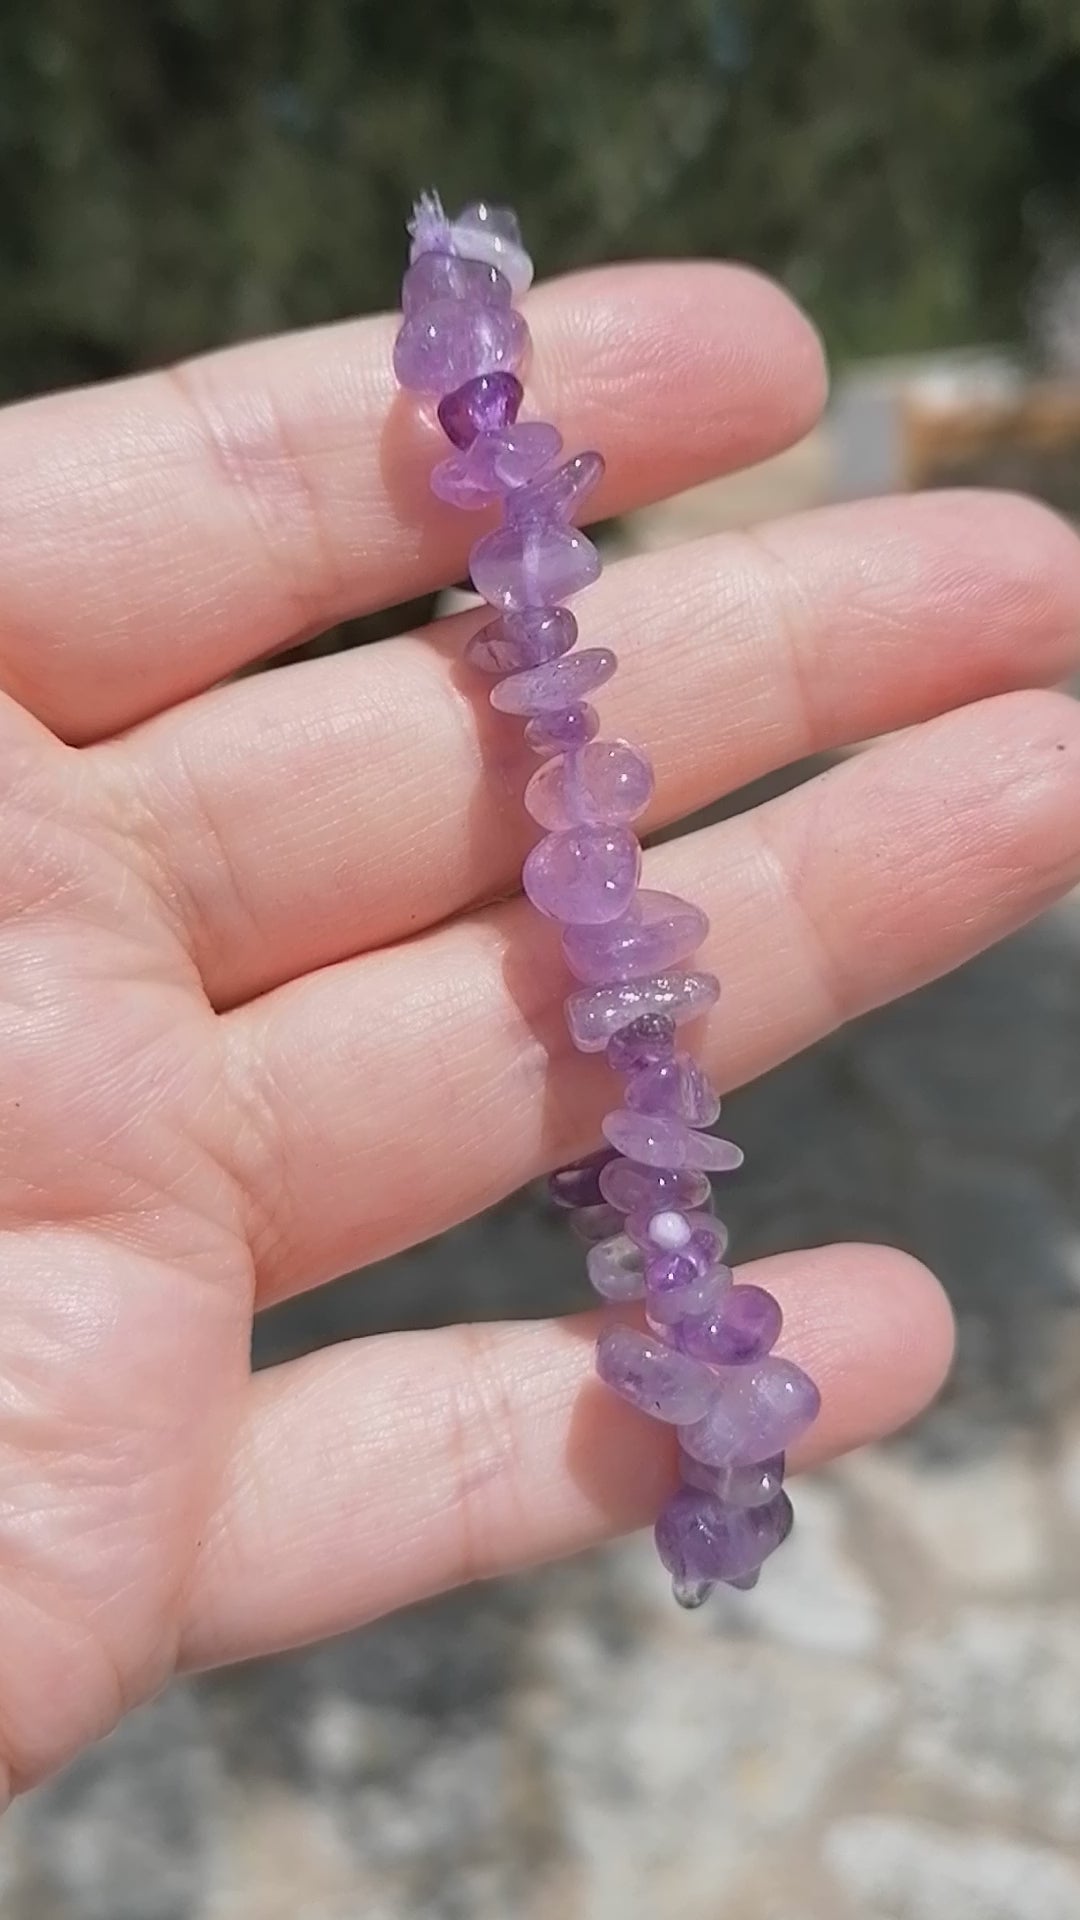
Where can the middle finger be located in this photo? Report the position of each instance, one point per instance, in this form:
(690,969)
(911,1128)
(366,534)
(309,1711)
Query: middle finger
(330,808)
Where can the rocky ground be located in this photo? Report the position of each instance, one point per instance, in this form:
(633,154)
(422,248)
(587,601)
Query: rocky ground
(888,1730)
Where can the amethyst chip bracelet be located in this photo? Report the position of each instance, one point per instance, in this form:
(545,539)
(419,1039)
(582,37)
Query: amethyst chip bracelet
(704,1363)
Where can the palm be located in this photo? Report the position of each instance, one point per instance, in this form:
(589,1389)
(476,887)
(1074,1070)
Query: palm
(128,1280)
(259,1024)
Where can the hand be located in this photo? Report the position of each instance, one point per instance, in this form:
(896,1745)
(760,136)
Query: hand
(266,1014)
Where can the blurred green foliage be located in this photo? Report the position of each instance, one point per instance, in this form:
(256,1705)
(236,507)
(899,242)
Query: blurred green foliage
(181,172)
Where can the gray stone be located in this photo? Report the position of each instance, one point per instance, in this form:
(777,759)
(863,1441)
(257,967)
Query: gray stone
(993,1714)
(981,1523)
(815,1596)
(677,1761)
(124,1833)
(909,1870)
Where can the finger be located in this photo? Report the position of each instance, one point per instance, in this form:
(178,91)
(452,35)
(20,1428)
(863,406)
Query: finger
(338,805)
(390,1096)
(160,533)
(371,1474)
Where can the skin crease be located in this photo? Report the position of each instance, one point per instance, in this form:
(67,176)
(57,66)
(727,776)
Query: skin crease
(267,1011)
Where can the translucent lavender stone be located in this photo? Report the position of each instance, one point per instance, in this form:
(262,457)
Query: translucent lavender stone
(484,232)
(556,685)
(699,1538)
(553,732)
(656,1141)
(676,1088)
(681,1265)
(745,1328)
(757,1411)
(559,495)
(577,1185)
(518,640)
(494,464)
(532,566)
(691,1594)
(607,783)
(655,933)
(485,405)
(674,1292)
(642,1044)
(587,874)
(595,1013)
(616,1268)
(444,276)
(636,1189)
(526,450)
(644,1371)
(592,1224)
(450,341)
(752,1486)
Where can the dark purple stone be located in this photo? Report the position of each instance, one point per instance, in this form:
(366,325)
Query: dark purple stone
(746,1327)
(484,405)
(644,1043)
(577,1185)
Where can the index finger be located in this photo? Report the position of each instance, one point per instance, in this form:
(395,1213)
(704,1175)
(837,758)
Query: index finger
(162,532)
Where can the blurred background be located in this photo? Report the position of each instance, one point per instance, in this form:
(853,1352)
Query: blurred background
(890,1728)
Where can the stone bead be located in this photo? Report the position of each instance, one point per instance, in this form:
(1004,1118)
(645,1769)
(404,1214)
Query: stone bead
(451,341)
(675,1292)
(607,783)
(446,276)
(485,405)
(556,685)
(757,1411)
(595,1013)
(745,1328)
(525,450)
(641,1369)
(699,1538)
(653,1229)
(656,1141)
(691,1594)
(554,732)
(592,1224)
(635,1189)
(518,640)
(485,473)
(655,933)
(752,1486)
(676,1088)
(532,566)
(585,875)
(700,1256)
(577,1185)
(616,1268)
(643,1043)
(492,234)
(559,495)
